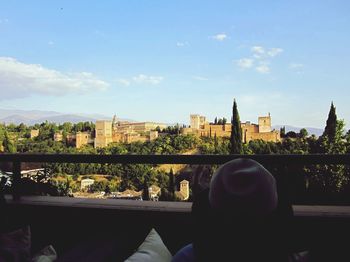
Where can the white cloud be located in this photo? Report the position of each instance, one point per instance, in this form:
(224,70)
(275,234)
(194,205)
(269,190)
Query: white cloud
(274,51)
(296,66)
(182,44)
(200,78)
(123,81)
(260,56)
(258,50)
(263,68)
(18,79)
(245,63)
(140,79)
(219,37)
(144,79)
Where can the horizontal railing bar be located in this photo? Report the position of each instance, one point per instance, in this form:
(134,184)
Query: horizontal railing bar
(176,159)
(163,206)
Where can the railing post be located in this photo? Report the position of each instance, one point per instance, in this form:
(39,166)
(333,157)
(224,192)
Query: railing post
(16,173)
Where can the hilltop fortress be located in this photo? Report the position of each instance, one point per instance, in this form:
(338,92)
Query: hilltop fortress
(200,127)
(107,131)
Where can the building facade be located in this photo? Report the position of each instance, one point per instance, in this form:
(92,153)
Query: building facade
(85,183)
(34,133)
(197,121)
(103,133)
(250,131)
(125,132)
(83,138)
(58,136)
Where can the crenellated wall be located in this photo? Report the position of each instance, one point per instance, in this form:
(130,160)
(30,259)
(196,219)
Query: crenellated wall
(249,131)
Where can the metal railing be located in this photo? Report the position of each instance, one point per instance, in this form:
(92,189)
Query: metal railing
(276,160)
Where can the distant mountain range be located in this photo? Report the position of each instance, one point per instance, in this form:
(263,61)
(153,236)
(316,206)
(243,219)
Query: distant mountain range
(310,130)
(31,117)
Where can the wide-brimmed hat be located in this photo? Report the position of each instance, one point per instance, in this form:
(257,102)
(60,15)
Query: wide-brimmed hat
(245,187)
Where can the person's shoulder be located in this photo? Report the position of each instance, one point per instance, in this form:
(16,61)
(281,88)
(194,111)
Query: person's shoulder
(185,254)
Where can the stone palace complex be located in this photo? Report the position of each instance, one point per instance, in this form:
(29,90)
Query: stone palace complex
(109,131)
(200,127)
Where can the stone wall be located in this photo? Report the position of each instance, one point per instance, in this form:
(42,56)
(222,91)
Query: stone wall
(82,138)
(249,131)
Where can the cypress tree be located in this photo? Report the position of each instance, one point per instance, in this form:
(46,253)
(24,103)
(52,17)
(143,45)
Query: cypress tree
(283,131)
(236,131)
(171,188)
(331,125)
(145,191)
(215,144)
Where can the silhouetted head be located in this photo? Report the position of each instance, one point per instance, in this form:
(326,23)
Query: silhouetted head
(242,209)
(244,187)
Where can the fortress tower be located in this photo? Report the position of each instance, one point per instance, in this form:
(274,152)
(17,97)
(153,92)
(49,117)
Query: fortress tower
(197,121)
(264,124)
(185,189)
(103,133)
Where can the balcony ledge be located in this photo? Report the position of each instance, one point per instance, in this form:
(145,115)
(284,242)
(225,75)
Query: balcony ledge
(161,206)
(116,204)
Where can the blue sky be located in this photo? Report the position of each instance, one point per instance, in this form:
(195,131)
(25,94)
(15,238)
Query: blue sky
(163,60)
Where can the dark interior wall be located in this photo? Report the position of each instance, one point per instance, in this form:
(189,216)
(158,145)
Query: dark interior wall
(66,227)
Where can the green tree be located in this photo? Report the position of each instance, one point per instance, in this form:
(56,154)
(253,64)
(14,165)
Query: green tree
(283,131)
(330,179)
(9,145)
(98,186)
(303,133)
(291,134)
(331,125)
(171,186)
(145,191)
(236,131)
(2,133)
(347,138)
(21,128)
(334,144)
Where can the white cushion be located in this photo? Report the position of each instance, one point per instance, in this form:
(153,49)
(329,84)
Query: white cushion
(152,249)
(47,254)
